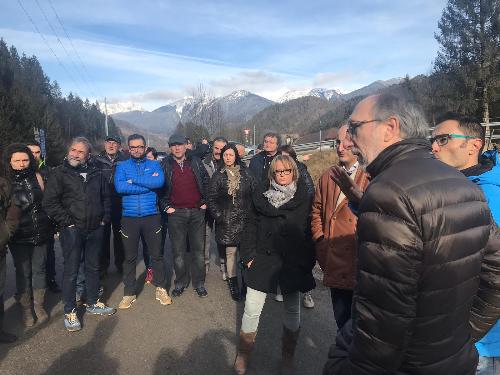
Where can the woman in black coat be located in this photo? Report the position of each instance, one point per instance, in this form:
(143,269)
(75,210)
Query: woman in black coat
(229,199)
(28,244)
(278,250)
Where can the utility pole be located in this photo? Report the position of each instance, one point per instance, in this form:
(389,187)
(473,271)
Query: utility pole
(254,135)
(319,135)
(106,118)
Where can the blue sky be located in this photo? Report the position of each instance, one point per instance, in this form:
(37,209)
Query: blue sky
(153,52)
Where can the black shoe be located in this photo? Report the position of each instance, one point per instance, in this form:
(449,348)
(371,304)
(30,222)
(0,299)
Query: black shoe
(177,292)
(53,287)
(234,288)
(201,291)
(7,338)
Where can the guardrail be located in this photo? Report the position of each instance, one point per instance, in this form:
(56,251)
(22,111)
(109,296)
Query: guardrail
(492,130)
(305,148)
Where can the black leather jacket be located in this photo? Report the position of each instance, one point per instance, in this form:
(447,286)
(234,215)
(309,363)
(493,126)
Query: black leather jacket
(34,224)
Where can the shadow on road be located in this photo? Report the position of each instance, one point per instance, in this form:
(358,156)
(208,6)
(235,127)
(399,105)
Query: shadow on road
(91,357)
(205,355)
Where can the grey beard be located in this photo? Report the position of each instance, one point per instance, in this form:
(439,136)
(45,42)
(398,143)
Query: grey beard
(74,163)
(361,160)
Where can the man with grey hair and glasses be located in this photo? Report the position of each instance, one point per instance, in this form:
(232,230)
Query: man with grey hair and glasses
(77,199)
(427,253)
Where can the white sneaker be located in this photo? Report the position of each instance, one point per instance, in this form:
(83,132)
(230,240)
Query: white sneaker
(278,297)
(308,301)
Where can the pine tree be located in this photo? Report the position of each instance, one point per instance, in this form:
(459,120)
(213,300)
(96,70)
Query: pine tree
(469,35)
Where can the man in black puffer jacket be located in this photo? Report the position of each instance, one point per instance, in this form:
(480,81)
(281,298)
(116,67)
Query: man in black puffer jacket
(423,235)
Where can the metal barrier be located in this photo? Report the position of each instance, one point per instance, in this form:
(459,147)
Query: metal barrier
(306,148)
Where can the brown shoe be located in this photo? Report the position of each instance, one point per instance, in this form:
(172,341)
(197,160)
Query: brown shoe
(162,296)
(288,344)
(38,301)
(27,309)
(245,346)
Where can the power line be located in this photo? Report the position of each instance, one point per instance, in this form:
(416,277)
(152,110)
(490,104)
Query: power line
(64,48)
(47,43)
(83,65)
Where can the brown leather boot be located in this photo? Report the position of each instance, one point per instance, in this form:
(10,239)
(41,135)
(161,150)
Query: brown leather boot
(288,344)
(38,301)
(26,308)
(245,346)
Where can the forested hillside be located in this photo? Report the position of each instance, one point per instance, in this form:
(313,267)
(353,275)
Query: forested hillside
(29,100)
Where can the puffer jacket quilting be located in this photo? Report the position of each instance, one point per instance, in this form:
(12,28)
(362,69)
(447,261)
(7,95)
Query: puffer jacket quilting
(422,233)
(139,198)
(229,215)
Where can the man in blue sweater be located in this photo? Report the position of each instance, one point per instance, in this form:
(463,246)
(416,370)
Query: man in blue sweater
(458,141)
(136,180)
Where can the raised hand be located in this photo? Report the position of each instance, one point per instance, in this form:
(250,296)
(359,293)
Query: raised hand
(352,191)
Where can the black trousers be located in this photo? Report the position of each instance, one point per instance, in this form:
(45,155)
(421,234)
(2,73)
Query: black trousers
(342,302)
(150,228)
(188,225)
(119,252)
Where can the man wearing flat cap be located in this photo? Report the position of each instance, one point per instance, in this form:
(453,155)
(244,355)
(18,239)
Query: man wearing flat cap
(183,199)
(107,161)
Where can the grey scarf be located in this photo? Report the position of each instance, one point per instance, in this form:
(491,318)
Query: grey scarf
(278,195)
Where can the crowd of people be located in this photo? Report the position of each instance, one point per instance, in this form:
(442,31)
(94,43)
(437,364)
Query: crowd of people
(403,228)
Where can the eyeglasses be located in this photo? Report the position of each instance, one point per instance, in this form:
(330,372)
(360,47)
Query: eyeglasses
(282,172)
(354,125)
(136,147)
(442,139)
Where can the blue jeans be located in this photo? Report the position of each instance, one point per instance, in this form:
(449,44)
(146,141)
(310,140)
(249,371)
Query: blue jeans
(488,366)
(75,242)
(184,224)
(341,302)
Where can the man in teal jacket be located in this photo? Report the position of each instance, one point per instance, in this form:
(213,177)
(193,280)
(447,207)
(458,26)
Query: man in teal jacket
(458,141)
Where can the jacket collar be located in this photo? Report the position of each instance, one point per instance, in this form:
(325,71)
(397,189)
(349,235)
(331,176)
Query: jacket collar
(405,149)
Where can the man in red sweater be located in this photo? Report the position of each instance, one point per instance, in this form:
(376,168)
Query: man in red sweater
(183,199)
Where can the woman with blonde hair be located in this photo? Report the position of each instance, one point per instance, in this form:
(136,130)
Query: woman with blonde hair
(278,250)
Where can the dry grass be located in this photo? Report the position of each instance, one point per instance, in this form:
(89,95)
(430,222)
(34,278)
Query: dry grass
(319,162)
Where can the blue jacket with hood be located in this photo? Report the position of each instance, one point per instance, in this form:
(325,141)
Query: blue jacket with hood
(139,198)
(489,345)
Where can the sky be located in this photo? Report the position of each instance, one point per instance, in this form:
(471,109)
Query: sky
(152,52)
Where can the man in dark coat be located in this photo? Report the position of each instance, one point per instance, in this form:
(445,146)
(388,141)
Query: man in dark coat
(183,199)
(426,242)
(9,219)
(259,164)
(44,171)
(107,161)
(77,199)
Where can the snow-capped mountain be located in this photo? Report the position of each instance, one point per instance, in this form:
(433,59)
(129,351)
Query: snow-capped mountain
(326,94)
(235,108)
(121,107)
(373,87)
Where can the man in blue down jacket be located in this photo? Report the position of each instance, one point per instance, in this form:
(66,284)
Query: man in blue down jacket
(428,277)
(458,141)
(136,180)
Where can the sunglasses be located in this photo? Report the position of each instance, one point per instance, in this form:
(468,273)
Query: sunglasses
(442,139)
(352,126)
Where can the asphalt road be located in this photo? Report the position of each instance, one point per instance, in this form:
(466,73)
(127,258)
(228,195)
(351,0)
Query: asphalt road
(191,336)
